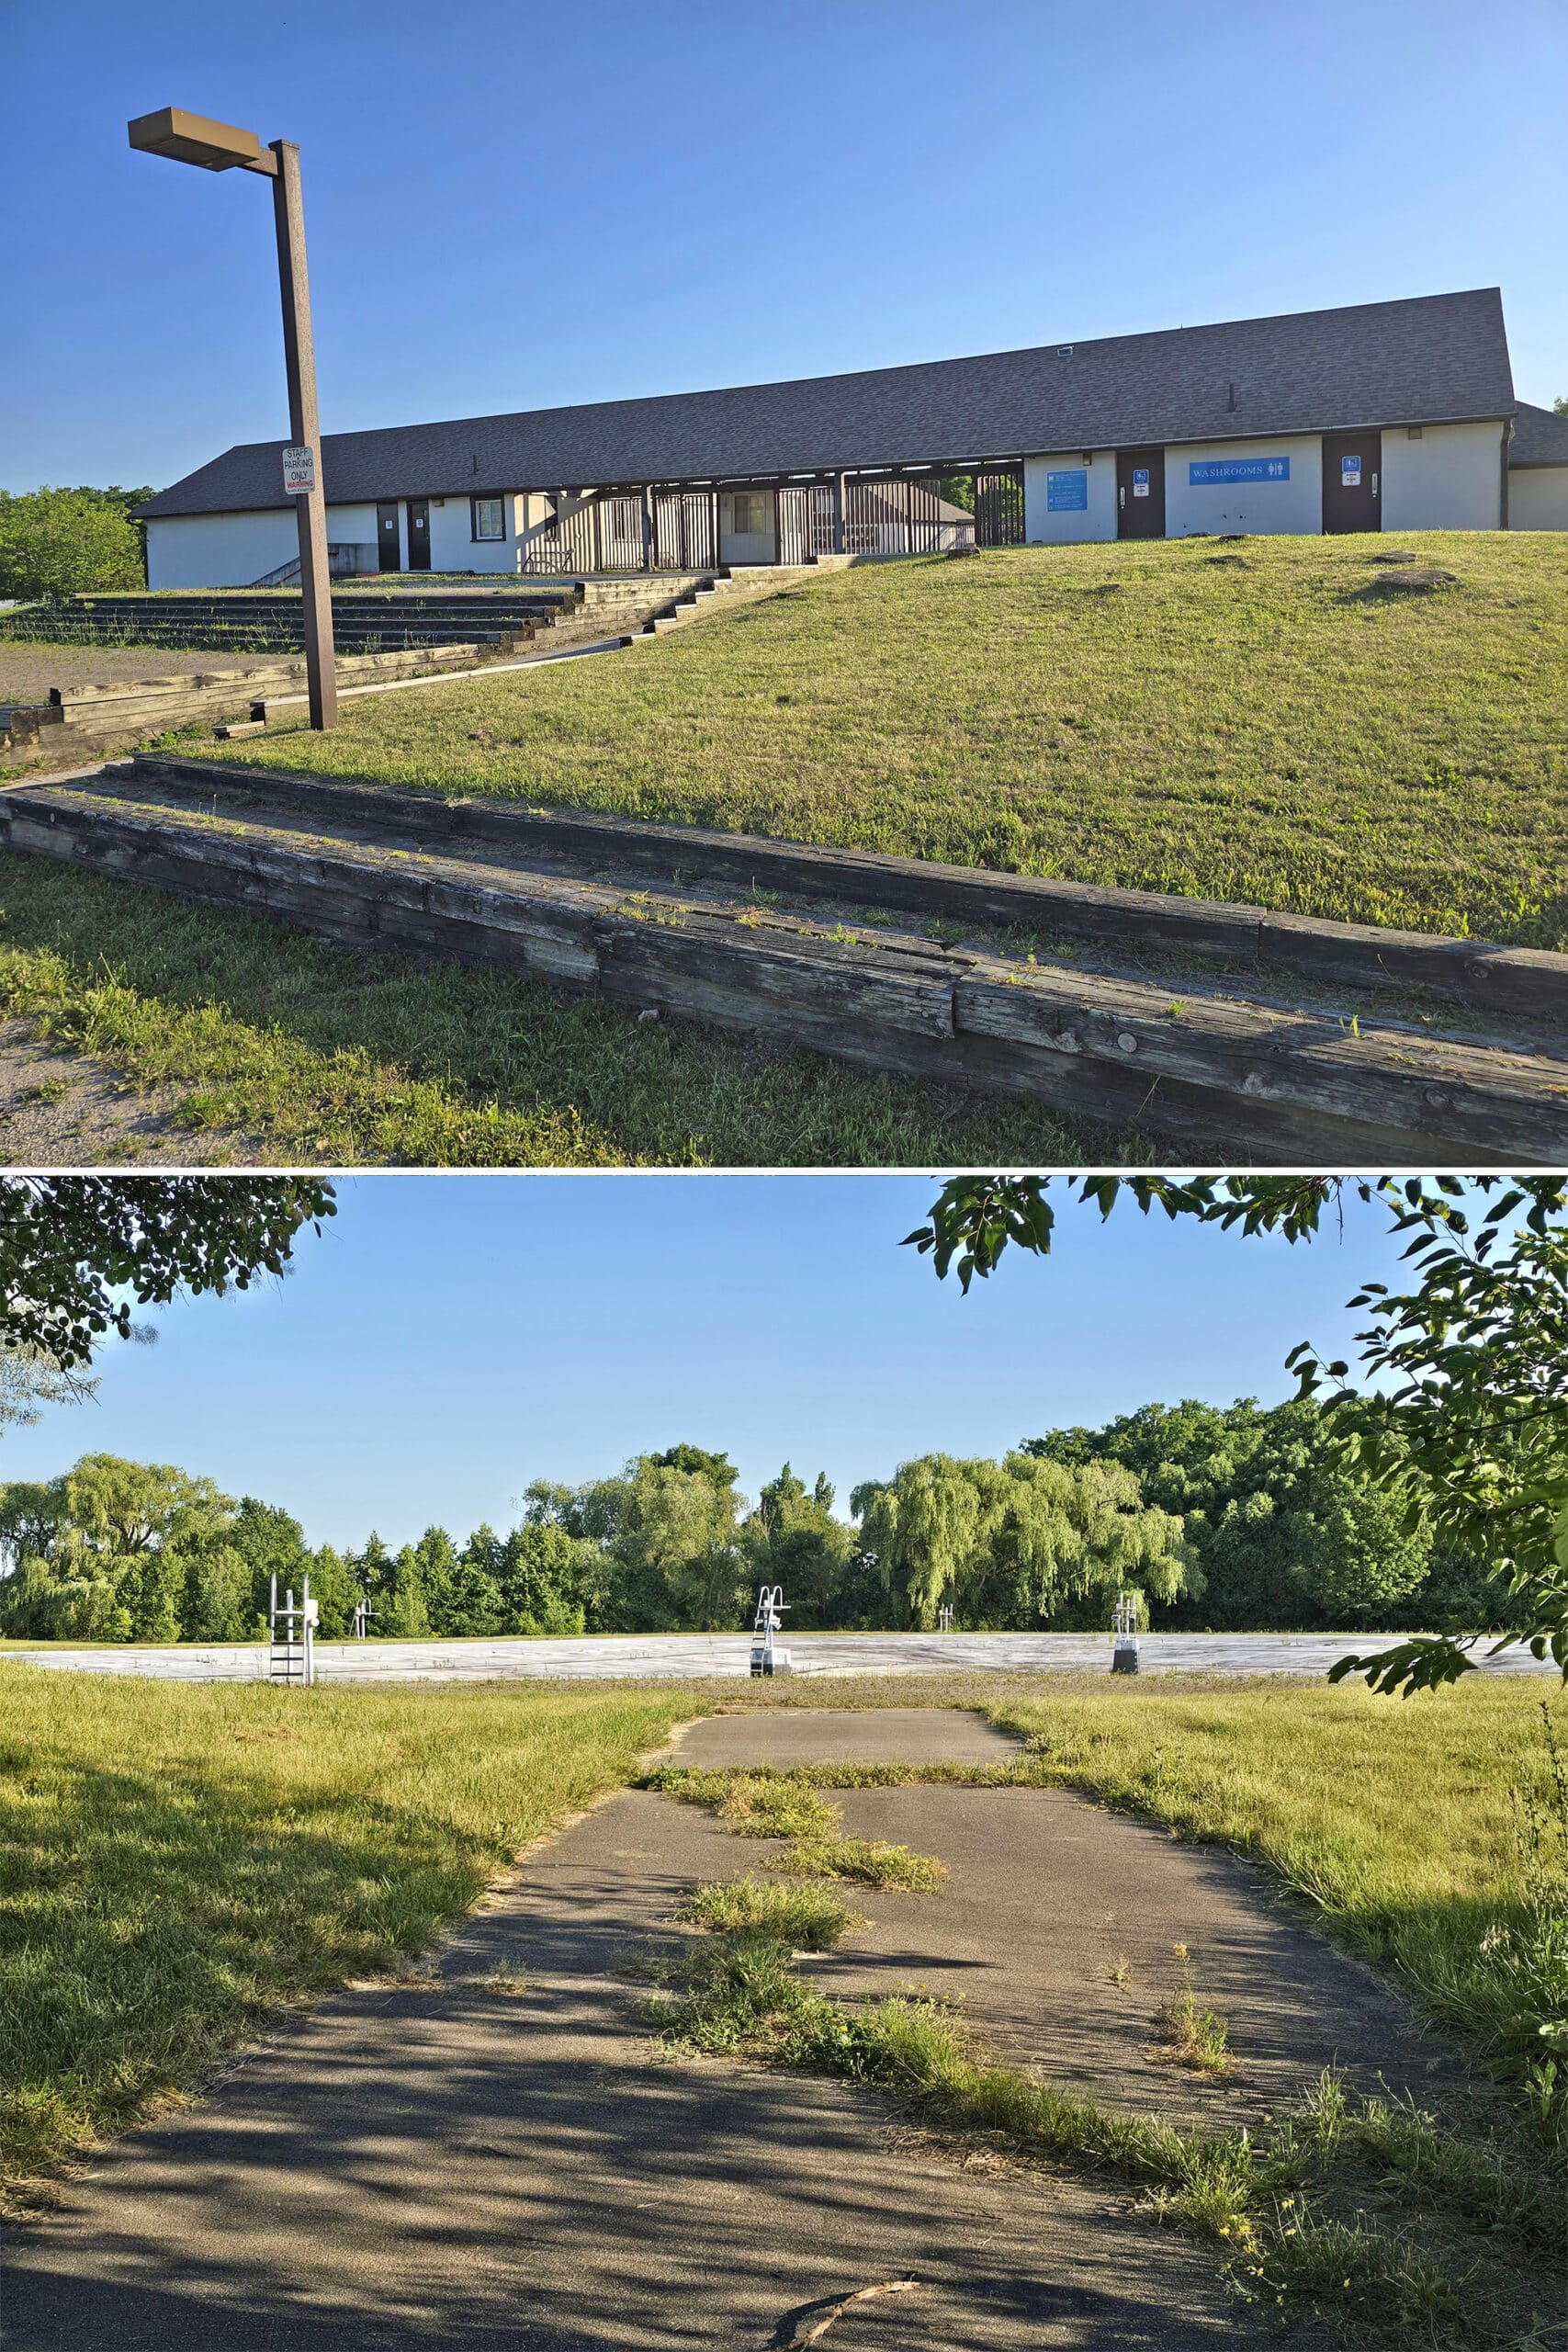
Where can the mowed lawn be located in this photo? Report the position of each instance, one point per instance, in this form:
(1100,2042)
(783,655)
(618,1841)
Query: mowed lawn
(1253,721)
(176,1861)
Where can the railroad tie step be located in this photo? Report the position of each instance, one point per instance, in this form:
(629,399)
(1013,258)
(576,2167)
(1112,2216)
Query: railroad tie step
(1209,1069)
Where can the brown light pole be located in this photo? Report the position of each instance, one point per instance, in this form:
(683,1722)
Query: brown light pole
(220,147)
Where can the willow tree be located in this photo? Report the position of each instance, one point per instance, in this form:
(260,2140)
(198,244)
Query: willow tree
(1017,1544)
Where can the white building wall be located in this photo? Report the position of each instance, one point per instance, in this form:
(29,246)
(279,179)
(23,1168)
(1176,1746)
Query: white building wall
(352,527)
(1448,479)
(1537,498)
(1050,487)
(453,547)
(233,550)
(1287,503)
(218,550)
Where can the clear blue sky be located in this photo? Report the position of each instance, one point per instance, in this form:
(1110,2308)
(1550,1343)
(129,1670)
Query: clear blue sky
(451,1337)
(510,206)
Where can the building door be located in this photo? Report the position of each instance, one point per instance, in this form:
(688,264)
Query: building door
(1140,493)
(419,535)
(388,549)
(1352,489)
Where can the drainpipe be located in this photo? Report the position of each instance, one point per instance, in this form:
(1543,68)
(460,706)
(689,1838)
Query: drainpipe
(838,514)
(1503,495)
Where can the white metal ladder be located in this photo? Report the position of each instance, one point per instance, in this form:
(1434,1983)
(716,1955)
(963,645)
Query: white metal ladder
(293,1653)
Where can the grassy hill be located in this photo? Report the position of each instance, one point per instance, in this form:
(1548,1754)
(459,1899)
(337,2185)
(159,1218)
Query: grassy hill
(1258,721)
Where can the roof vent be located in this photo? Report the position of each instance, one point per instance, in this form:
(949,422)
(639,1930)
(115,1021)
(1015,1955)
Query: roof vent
(1231,402)
(1064,351)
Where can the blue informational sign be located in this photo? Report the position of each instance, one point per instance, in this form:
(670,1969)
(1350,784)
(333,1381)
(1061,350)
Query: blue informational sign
(1350,472)
(1140,481)
(1203,471)
(1067,494)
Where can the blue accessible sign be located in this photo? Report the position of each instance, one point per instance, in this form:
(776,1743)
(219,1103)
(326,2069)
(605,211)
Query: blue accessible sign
(1140,481)
(1203,471)
(1350,473)
(1067,494)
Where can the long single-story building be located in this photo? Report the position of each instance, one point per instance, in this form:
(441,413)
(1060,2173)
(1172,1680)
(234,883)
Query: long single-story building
(1381,416)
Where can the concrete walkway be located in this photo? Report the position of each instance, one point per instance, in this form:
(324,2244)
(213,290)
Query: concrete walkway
(686,1656)
(454,2164)
(467,2162)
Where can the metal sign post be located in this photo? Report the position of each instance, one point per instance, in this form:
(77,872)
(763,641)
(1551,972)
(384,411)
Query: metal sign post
(1124,1647)
(765,1658)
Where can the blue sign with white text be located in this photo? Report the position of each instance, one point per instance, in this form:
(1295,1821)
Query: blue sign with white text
(1067,494)
(1203,471)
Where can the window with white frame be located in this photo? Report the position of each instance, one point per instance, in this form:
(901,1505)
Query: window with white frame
(749,514)
(490,517)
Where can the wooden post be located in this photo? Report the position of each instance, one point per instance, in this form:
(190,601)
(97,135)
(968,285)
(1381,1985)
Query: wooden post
(647,529)
(304,430)
(838,514)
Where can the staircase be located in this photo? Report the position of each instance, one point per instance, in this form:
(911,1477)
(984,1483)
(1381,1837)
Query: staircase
(715,588)
(274,621)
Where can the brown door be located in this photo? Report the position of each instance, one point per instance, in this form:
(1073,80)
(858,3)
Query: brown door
(388,550)
(1352,485)
(1140,493)
(419,535)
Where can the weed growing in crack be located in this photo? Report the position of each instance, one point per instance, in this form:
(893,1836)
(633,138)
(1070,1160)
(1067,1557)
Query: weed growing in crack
(786,1805)
(807,1918)
(1192,2035)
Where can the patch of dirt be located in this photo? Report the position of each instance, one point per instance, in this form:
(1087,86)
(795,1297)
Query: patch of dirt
(27,670)
(1428,577)
(61,1109)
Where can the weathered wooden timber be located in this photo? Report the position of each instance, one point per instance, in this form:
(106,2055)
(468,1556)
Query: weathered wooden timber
(81,717)
(1501,979)
(1207,1070)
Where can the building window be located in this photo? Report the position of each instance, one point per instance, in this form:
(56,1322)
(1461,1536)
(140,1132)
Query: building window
(490,517)
(749,514)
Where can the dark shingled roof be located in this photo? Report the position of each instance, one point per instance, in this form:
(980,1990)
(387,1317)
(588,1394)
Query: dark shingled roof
(1435,359)
(1540,437)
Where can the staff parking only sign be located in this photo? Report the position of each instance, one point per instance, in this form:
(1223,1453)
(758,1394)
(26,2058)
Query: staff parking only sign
(298,471)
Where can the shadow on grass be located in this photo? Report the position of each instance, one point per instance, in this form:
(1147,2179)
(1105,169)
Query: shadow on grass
(150,1919)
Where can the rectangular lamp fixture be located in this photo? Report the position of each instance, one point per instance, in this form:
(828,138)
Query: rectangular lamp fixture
(192,139)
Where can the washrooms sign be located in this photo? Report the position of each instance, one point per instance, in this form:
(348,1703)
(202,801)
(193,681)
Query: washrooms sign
(298,471)
(1349,473)
(1203,471)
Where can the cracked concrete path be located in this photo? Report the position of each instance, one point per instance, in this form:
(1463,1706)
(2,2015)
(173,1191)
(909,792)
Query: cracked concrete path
(471,2162)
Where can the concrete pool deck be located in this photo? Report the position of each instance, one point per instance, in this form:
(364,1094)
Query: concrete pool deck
(700,1656)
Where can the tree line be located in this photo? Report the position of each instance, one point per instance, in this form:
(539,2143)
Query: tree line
(1235,1518)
